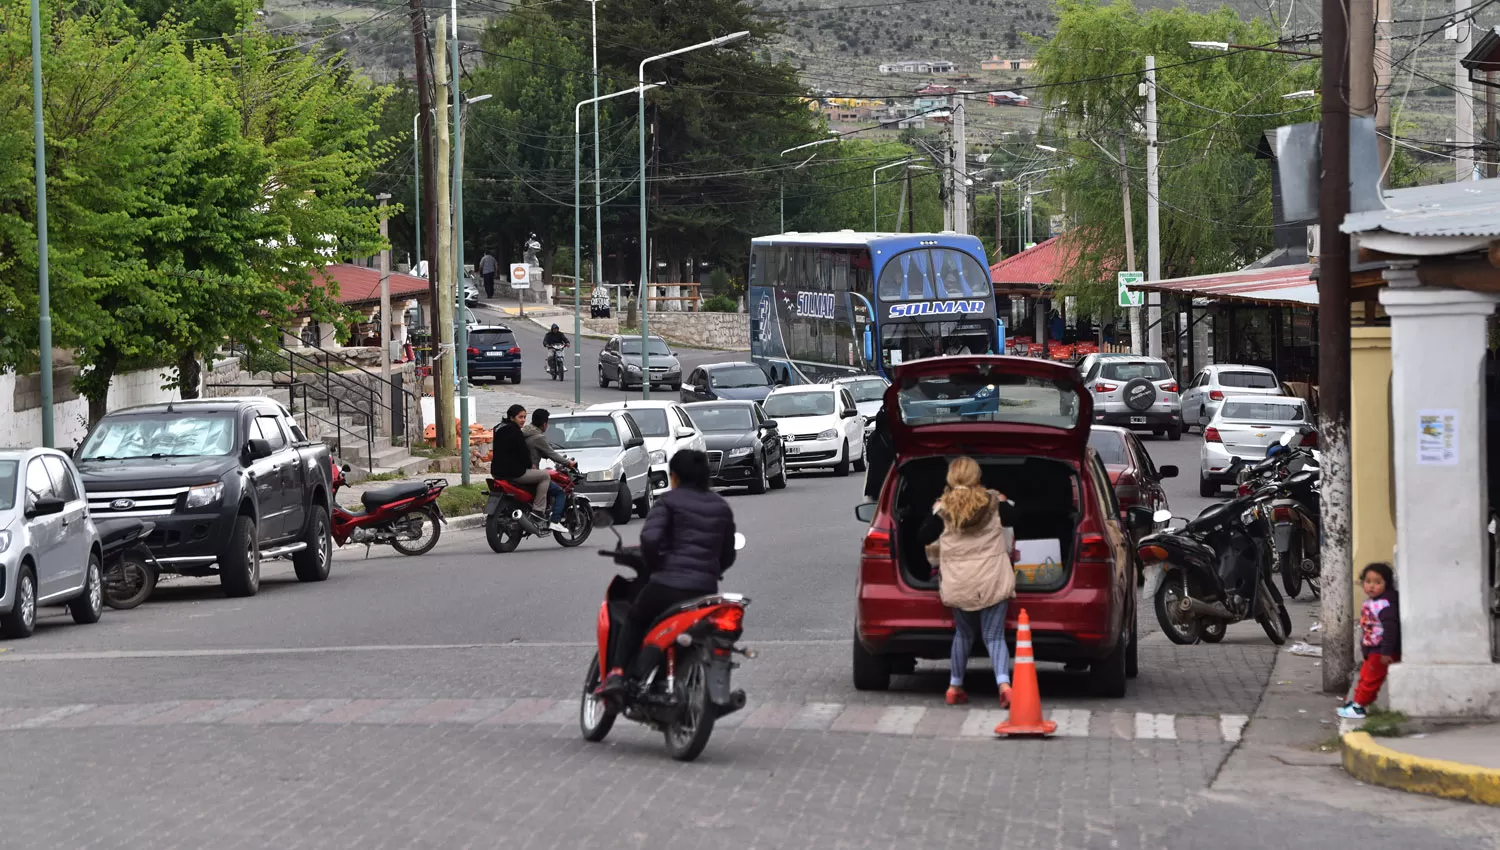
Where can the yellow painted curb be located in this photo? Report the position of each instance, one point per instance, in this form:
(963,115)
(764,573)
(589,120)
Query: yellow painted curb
(1368,761)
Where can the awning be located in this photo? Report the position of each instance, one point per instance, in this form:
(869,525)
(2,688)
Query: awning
(1278,286)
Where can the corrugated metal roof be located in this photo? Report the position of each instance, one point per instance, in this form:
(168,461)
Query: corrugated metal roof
(1470,208)
(1278,286)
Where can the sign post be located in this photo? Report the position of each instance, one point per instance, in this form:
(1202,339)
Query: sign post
(1127,298)
(520,280)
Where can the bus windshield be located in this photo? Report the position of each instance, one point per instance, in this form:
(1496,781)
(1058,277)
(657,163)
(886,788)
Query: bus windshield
(933,274)
(916,340)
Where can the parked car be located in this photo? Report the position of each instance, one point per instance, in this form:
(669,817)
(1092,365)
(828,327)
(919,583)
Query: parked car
(49,548)
(620,362)
(716,381)
(1086,364)
(1137,393)
(820,427)
(1243,429)
(667,428)
(228,483)
(611,453)
(869,396)
(495,353)
(1133,475)
(1075,576)
(744,447)
(1202,396)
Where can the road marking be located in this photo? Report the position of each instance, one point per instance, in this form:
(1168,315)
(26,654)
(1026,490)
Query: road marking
(900,720)
(1071,722)
(981,722)
(1159,726)
(1231,726)
(126,654)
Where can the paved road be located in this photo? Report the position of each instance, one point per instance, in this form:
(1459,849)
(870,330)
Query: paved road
(430,702)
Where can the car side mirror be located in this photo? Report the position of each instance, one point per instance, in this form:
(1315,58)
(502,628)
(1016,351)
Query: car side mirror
(866,513)
(46,506)
(1168,471)
(772,427)
(634,443)
(849,414)
(257,449)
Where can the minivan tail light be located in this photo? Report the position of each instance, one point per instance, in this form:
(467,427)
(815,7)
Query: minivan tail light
(1092,547)
(1105,388)
(877,543)
(1169,387)
(514,349)
(1211,435)
(473,352)
(1215,395)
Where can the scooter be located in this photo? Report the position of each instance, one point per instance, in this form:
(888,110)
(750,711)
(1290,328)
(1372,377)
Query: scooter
(130,570)
(1295,513)
(555,366)
(399,516)
(506,520)
(1195,574)
(690,688)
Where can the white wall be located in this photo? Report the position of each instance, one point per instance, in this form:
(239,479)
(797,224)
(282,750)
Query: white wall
(70,418)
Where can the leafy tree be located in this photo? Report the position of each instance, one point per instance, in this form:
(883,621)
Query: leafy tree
(204,19)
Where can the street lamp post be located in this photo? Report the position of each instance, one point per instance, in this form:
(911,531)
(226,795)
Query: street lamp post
(460,325)
(44,290)
(874,201)
(598,180)
(641,111)
(577,227)
(782,202)
(416,160)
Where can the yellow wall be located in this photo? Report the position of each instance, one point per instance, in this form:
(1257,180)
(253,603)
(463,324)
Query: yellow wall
(1370,450)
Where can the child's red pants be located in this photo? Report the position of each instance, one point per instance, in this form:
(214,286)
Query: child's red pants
(1372,677)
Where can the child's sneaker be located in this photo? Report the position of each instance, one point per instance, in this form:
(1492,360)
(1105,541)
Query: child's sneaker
(1352,711)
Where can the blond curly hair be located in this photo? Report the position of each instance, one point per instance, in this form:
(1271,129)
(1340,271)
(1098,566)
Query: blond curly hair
(965,499)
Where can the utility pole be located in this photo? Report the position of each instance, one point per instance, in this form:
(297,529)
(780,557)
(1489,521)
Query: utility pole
(1136,330)
(999,248)
(598,191)
(1491,149)
(1383,22)
(1335,552)
(947,187)
(428,204)
(460,325)
(961,166)
(1153,214)
(911,205)
(1463,91)
(44,289)
(385,297)
(443,371)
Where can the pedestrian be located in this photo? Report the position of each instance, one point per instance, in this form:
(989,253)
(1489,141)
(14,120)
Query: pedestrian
(487,267)
(879,455)
(970,526)
(1380,631)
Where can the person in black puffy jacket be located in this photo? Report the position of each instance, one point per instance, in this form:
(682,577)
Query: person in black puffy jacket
(688,543)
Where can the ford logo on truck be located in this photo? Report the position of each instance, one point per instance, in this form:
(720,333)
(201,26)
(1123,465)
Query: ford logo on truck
(122,504)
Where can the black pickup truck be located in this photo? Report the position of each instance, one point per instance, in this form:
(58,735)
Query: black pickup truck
(228,483)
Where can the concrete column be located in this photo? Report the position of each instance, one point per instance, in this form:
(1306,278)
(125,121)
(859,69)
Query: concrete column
(292,337)
(328,335)
(1438,339)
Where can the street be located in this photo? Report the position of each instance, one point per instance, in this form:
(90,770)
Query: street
(433,702)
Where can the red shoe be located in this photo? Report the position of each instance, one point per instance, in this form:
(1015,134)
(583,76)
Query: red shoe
(1005,696)
(956,696)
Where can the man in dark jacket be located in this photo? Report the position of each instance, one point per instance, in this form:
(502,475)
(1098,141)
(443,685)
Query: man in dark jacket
(688,542)
(880,454)
(511,462)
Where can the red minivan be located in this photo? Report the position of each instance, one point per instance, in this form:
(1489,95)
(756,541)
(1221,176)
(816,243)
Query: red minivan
(1027,423)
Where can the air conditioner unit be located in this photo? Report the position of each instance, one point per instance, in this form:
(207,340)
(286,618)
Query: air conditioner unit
(1314,241)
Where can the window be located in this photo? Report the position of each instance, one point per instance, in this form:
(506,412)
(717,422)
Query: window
(1265,411)
(583,432)
(268,429)
(651,420)
(62,479)
(176,435)
(845,399)
(1102,491)
(8,470)
(973,394)
(871,389)
(1128,371)
(682,418)
(933,274)
(658,346)
(787,405)
(730,418)
(1249,380)
(491,339)
(38,483)
(1111,447)
(631,426)
(738,377)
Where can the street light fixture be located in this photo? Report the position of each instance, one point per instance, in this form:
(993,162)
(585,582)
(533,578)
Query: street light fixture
(874,200)
(1225,47)
(645,269)
(577,213)
(782,202)
(1048,149)
(44,289)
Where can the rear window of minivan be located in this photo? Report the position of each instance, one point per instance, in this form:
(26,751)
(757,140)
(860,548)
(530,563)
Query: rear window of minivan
(1248,380)
(490,339)
(1131,371)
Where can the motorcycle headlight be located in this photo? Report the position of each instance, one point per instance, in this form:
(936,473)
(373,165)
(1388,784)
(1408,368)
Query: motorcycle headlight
(659,456)
(4,541)
(830,434)
(203,496)
(741,451)
(601,475)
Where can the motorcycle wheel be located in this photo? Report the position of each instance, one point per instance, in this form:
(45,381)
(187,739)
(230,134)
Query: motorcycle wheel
(1214,632)
(1180,627)
(418,520)
(579,518)
(688,733)
(1277,623)
(595,716)
(129,583)
(502,539)
(1291,569)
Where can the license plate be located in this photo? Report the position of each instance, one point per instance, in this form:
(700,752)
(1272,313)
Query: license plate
(794,450)
(1137,420)
(494,354)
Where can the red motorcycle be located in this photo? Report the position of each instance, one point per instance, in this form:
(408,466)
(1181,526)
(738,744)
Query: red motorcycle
(406,516)
(689,689)
(508,504)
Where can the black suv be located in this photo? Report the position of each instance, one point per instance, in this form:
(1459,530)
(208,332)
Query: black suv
(228,483)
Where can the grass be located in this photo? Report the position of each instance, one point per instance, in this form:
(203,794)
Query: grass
(463,499)
(1384,724)
(386,476)
(433,452)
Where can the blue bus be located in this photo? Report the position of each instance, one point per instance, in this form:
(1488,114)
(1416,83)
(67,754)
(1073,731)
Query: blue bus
(831,305)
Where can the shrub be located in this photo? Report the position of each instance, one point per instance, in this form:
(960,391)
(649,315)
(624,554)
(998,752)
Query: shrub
(721,304)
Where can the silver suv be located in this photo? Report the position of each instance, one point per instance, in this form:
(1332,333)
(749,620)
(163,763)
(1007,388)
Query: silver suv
(1137,393)
(49,547)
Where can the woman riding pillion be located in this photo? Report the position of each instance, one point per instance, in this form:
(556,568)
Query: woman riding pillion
(688,543)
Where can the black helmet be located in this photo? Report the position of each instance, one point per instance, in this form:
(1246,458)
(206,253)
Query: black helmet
(554,326)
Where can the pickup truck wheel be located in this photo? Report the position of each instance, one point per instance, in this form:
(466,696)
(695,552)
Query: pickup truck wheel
(239,565)
(88,606)
(312,563)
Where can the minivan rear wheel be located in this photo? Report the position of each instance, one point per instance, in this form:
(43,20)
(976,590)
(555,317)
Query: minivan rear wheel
(1107,675)
(871,672)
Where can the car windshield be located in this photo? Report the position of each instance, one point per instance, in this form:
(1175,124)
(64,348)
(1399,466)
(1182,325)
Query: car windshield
(491,339)
(1130,371)
(651,420)
(727,418)
(177,435)
(8,484)
(979,395)
(871,390)
(1111,447)
(786,405)
(632,345)
(583,432)
(737,378)
(1248,380)
(1265,411)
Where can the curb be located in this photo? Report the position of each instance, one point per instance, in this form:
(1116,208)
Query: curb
(460,523)
(1370,762)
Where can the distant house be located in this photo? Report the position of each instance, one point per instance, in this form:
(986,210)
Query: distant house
(1008,98)
(995,63)
(918,66)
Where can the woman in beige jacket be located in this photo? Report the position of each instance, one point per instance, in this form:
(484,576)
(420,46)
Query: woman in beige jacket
(969,546)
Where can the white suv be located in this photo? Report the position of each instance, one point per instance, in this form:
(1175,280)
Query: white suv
(1137,393)
(819,425)
(668,430)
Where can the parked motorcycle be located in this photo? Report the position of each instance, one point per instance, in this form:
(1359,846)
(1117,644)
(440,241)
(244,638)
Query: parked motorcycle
(130,571)
(404,516)
(1214,571)
(1295,511)
(690,689)
(555,366)
(509,504)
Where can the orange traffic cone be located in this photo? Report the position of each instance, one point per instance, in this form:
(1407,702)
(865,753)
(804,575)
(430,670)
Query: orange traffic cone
(1025,701)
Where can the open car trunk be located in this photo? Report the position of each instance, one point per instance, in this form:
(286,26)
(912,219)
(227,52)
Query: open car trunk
(1044,492)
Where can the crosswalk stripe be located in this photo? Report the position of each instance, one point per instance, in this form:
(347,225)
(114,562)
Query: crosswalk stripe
(901,720)
(1231,726)
(1071,722)
(1158,726)
(981,722)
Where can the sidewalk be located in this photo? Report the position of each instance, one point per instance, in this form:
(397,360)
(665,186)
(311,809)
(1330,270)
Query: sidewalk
(1457,762)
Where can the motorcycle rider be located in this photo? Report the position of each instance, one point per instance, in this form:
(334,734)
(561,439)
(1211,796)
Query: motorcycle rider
(688,543)
(511,462)
(541,447)
(555,337)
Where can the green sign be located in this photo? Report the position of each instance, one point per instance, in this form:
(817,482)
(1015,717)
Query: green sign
(1127,298)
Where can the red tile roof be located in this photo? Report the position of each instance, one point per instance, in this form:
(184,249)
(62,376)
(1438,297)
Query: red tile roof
(1040,265)
(360,285)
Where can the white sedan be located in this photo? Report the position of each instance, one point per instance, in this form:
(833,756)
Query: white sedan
(820,427)
(1243,429)
(668,430)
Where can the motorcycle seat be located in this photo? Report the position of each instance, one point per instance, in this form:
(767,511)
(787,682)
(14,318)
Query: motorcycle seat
(394,493)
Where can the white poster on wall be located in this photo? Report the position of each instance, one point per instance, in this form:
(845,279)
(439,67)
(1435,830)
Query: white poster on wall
(1437,437)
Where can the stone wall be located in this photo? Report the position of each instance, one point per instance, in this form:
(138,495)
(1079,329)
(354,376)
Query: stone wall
(726,331)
